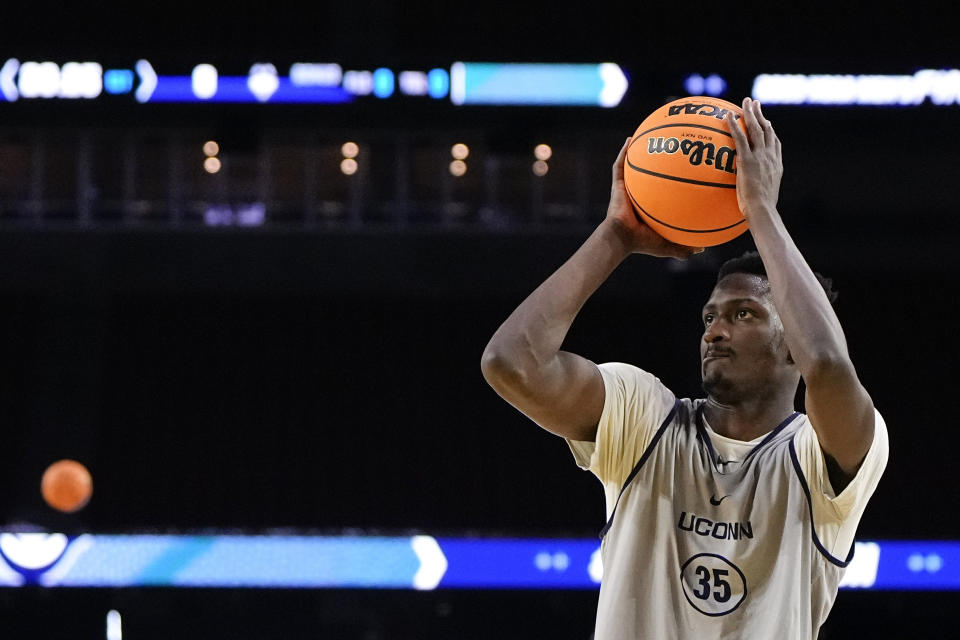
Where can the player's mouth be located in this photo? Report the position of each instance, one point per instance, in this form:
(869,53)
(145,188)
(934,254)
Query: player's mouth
(711,355)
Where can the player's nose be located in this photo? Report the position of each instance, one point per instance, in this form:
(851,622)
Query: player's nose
(715,332)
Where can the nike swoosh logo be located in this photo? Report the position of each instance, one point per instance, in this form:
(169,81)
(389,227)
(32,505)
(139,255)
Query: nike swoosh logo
(716,502)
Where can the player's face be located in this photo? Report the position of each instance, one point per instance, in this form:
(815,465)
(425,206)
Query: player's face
(742,352)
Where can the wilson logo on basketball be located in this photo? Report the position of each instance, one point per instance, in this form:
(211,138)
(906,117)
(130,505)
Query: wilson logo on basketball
(694,109)
(697,151)
(684,185)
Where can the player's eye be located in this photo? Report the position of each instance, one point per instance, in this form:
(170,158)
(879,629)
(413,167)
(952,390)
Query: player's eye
(743,314)
(707,319)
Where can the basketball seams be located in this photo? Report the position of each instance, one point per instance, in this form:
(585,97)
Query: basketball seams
(702,183)
(647,214)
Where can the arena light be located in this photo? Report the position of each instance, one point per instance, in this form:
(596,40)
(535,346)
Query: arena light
(938,86)
(543,152)
(458,168)
(212,165)
(348,166)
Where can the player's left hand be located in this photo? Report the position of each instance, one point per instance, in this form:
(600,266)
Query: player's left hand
(759,161)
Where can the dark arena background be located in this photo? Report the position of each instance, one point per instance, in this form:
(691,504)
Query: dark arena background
(249,259)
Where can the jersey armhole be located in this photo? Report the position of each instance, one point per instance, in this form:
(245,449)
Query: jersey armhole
(640,463)
(813,526)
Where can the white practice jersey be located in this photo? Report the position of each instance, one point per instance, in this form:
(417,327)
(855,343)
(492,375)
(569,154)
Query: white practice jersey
(696,547)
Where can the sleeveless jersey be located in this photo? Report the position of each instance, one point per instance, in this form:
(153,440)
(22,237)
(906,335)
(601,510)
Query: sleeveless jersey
(695,549)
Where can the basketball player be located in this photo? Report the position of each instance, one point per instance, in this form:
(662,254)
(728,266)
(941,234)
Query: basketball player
(731,516)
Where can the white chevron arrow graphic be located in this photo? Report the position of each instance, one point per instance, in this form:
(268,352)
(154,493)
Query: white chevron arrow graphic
(148,81)
(433,564)
(614,84)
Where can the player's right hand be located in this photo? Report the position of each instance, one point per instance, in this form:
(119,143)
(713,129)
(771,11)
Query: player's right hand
(637,234)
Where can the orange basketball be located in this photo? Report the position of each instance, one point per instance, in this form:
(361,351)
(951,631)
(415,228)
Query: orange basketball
(681,172)
(66,486)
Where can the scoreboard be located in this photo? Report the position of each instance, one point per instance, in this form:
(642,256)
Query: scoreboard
(459,83)
(524,84)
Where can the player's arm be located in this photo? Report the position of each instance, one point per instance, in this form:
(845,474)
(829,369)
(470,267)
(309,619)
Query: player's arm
(523,362)
(840,409)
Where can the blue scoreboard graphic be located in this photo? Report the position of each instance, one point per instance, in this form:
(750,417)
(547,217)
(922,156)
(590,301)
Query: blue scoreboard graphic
(377,562)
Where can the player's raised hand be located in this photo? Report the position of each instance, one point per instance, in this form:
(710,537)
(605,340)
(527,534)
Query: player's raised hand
(759,160)
(640,237)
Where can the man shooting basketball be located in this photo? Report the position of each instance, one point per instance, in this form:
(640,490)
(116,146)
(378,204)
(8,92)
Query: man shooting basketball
(731,516)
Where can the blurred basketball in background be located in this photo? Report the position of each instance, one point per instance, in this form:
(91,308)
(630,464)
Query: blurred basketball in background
(681,172)
(66,486)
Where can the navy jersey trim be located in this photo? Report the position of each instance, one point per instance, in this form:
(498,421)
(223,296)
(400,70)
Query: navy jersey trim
(813,528)
(702,432)
(643,459)
(780,427)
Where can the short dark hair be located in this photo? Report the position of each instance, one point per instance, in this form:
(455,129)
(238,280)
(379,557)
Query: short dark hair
(750,262)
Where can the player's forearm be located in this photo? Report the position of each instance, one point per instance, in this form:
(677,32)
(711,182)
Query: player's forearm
(813,330)
(534,332)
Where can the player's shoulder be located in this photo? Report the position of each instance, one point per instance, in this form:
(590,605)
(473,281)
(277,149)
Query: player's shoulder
(628,380)
(624,370)
(629,374)
(806,431)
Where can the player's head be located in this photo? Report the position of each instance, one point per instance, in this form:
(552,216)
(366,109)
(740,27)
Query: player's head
(750,262)
(743,352)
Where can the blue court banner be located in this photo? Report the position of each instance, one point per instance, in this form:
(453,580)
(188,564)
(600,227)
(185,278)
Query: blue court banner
(420,562)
